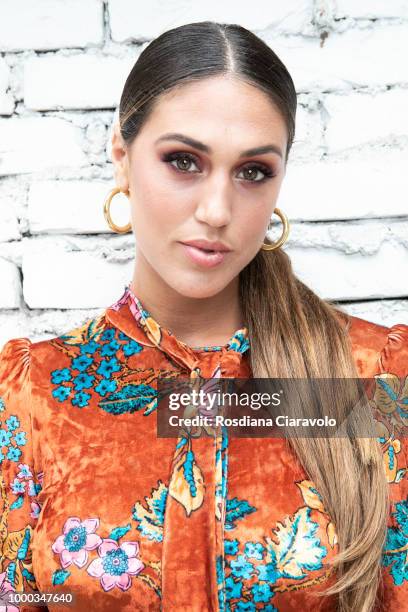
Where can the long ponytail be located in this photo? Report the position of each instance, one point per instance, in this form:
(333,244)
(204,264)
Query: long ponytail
(295,334)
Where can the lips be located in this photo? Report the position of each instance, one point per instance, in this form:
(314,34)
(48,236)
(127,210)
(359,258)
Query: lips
(208,245)
(203,257)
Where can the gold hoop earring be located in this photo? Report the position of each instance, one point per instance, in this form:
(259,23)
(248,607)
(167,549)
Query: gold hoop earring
(106,211)
(285,233)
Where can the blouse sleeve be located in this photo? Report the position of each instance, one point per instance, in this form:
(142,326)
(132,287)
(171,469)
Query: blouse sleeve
(391,398)
(19,481)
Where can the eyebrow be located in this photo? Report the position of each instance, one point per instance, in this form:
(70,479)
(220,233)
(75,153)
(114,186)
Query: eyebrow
(192,142)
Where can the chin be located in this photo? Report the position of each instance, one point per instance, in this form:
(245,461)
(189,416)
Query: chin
(199,288)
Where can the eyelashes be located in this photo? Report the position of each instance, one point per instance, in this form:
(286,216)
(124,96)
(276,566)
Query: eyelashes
(189,158)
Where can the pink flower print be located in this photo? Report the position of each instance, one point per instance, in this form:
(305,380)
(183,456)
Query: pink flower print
(31,489)
(6,587)
(35,510)
(25,471)
(116,564)
(77,538)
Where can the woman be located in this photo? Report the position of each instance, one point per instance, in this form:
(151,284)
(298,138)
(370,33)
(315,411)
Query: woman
(94,502)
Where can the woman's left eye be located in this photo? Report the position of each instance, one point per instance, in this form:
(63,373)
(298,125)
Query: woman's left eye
(254,170)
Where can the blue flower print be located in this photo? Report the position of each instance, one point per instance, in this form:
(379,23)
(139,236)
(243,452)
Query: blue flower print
(230,547)
(20,438)
(241,568)
(12,422)
(13,453)
(108,334)
(254,550)
(268,572)
(232,589)
(108,366)
(110,349)
(2,405)
(83,381)
(245,606)
(5,437)
(394,552)
(131,348)
(89,348)
(61,393)
(106,386)
(81,363)
(236,509)
(59,376)
(100,355)
(261,592)
(81,399)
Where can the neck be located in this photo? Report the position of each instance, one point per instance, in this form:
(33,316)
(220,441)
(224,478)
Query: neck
(194,321)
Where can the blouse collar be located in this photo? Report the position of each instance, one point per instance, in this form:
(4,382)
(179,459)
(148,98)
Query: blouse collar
(128,310)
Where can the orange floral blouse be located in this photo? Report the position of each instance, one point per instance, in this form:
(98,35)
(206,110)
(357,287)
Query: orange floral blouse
(95,504)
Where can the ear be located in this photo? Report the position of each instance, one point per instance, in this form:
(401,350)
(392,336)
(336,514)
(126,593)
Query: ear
(120,159)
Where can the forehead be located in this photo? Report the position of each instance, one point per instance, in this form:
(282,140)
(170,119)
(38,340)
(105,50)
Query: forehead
(221,106)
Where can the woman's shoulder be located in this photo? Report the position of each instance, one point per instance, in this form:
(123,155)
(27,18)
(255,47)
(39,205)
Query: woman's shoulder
(15,361)
(379,348)
(18,354)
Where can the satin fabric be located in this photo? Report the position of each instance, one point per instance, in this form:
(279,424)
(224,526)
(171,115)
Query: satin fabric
(96,504)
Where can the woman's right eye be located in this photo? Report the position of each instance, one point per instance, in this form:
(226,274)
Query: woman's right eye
(183,161)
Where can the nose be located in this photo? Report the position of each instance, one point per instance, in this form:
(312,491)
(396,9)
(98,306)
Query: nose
(215,203)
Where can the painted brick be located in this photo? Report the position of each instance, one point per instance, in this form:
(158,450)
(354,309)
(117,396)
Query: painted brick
(143,21)
(363,118)
(50,24)
(32,144)
(369,57)
(99,80)
(76,272)
(369,9)
(346,189)
(10,284)
(73,207)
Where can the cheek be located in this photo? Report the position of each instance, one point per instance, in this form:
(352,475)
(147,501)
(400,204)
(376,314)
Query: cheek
(153,202)
(253,222)
(156,221)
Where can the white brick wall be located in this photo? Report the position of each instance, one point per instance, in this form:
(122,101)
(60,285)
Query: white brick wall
(98,80)
(63,64)
(50,24)
(30,144)
(349,58)
(131,20)
(371,9)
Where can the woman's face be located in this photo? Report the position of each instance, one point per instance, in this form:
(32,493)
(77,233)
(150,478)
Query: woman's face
(192,177)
